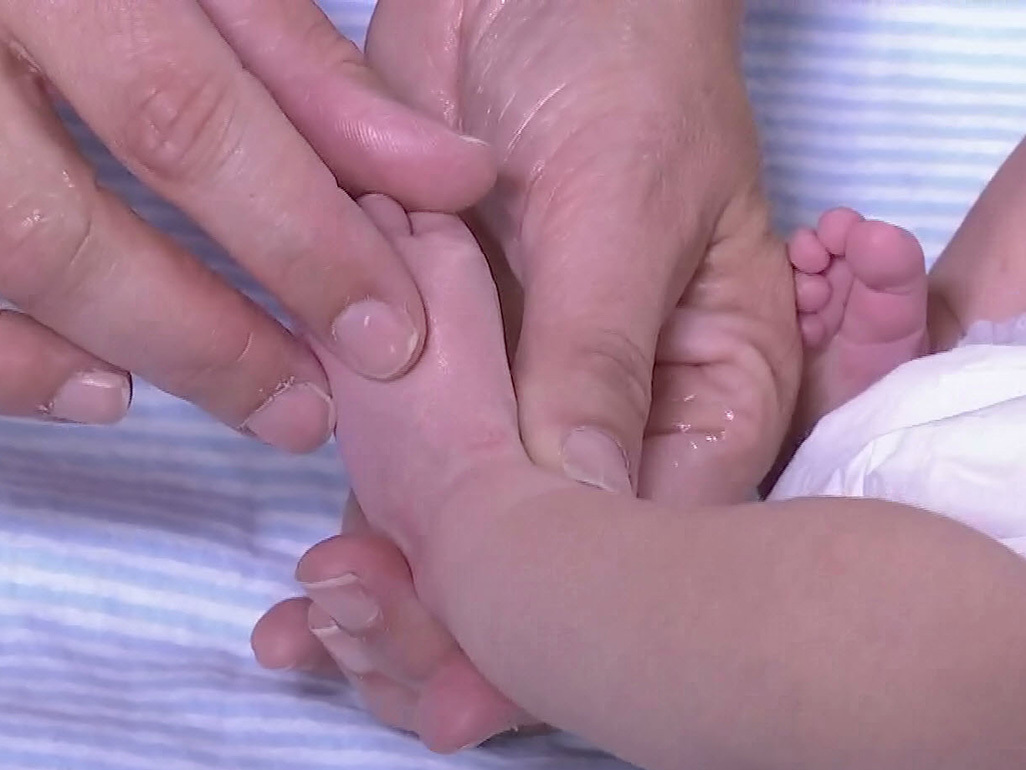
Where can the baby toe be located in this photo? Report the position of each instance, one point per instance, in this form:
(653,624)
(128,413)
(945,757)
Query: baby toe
(834,226)
(885,257)
(812,292)
(807,253)
(813,330)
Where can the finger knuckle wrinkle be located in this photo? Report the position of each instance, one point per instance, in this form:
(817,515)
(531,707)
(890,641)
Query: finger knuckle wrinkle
(216,363)
(618,361)
(42,237)
(181,125)
(328,46)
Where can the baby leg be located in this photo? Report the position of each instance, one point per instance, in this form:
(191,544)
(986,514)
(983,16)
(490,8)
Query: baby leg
(702,350)
(982,273)
(673,639)
(452,416)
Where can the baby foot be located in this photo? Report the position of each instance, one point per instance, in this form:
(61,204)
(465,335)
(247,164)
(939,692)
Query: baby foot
(415,444)
(861,292)
(411,446)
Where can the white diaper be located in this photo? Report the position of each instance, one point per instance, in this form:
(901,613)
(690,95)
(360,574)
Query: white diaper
(946,433)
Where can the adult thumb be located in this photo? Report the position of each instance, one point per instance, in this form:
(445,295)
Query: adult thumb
(596,292)
(371,141)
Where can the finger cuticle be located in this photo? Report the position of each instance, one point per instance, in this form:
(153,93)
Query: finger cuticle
(347,652)
(299,417)
(346,602)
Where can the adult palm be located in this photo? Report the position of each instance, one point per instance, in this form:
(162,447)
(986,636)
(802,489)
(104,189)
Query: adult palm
(629,168)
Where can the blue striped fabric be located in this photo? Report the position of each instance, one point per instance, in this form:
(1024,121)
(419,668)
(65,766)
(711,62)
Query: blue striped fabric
(134,561)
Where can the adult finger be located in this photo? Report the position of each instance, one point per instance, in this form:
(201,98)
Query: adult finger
(372,142)
(368,616)
(45,376)
(282,640)
(597,258)
(597,289)
(428,30)
(716,416)
(78,261)
(165,91)
(373,602)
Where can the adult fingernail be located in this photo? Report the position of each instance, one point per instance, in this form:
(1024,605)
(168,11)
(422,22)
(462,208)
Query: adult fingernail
(92,398)
(592,457)
(346,601)
(348,652)
(375,340)
(298,418)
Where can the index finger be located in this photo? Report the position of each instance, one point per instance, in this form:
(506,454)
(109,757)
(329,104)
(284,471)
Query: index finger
(167,94)
(371,141)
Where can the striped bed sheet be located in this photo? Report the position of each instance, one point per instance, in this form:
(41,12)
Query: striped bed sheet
(134,560)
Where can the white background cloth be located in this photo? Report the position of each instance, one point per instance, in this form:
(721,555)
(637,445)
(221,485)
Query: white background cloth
(134,561)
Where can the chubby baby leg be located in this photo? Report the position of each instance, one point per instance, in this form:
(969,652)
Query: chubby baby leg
(981,276)
(410,445)
(454,415)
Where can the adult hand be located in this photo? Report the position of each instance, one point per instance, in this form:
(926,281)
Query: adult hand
(628,197)
(208,102)
(629,183)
